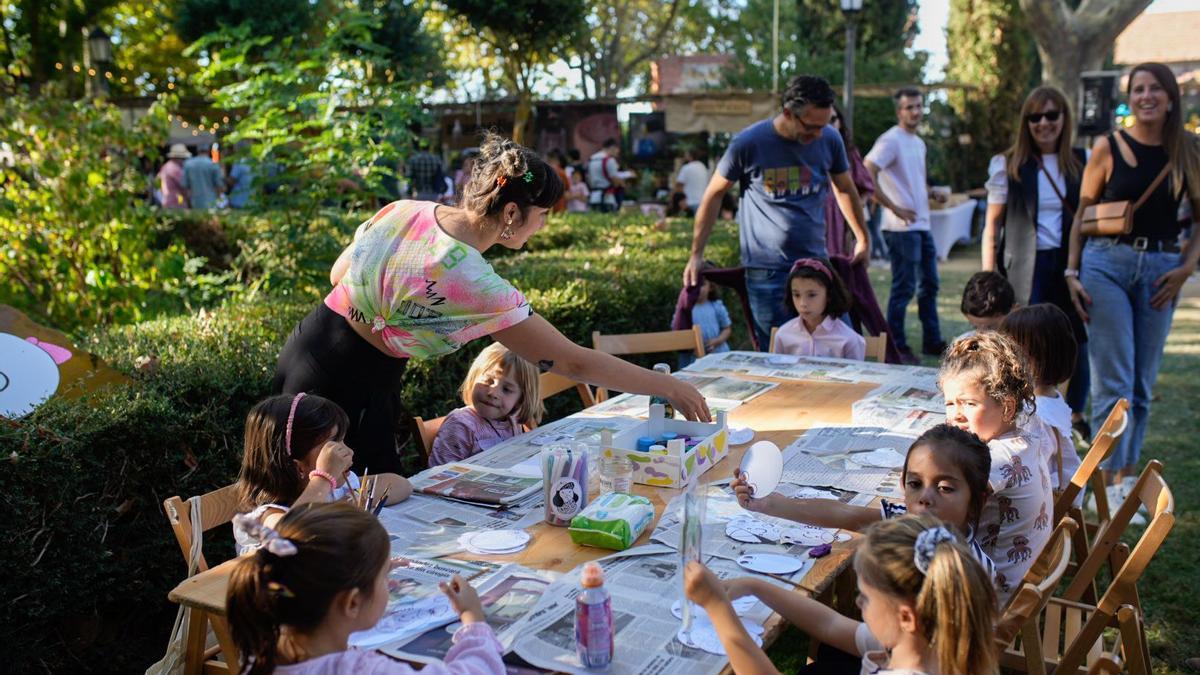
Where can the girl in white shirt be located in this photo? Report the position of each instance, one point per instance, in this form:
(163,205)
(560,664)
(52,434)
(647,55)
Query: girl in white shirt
(1044,333)
(818,298)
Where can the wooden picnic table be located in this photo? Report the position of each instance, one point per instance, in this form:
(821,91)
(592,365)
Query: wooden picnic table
(778,415)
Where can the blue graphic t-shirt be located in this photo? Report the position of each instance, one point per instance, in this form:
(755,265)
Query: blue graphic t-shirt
(783,183)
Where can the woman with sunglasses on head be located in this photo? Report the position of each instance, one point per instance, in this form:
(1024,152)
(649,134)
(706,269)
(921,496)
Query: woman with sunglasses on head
(1033,194)
(1125,286)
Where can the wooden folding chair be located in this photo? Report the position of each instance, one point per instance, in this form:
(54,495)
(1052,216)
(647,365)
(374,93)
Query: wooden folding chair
(428,431)
(877,347)
(1022,615)
(1073,631)
(647,343)
(1087,474)
(771,340)
(216,508)
(550,384)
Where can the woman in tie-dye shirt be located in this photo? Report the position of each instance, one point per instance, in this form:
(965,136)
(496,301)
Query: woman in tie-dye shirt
(414,284)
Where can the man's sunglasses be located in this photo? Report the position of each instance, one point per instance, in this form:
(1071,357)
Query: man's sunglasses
(1050,115)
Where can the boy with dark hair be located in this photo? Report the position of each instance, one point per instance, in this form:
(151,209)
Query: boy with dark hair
(986,300)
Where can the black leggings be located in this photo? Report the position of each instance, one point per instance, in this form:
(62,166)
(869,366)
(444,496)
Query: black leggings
(324,356)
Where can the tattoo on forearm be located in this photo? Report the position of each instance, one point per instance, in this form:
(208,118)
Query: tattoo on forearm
(546,365)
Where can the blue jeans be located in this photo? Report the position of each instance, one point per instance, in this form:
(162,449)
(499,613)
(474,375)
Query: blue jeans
(1050,286)
(913,256)
(766,290)
(1127,335)
(875,229)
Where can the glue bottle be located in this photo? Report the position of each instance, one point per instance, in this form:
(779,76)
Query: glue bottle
(668,409)
(593,620)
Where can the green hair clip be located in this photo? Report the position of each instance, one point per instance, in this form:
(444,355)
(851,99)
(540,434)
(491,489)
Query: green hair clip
(528,177)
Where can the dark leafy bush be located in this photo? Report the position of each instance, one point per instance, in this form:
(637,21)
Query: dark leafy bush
(89,556)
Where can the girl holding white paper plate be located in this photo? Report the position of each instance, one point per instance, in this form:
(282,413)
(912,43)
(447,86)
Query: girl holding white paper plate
(945,475)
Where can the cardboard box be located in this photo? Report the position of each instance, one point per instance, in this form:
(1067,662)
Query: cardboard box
(679,466)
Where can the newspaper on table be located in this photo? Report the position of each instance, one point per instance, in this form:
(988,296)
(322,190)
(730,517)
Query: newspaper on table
(509,596)
(638,405)
(415,604)
(429,523)
(727,388)
(816,368)
(801,468)
(644,627)
(466,482)
(524,448)
(836,439)
(907,395)
(898,419)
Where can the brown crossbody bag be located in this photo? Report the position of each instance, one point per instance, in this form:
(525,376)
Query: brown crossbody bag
(1113,219)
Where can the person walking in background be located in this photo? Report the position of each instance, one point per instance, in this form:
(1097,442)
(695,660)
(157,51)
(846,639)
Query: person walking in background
(897,165)
(1125,287)
(240,180)
(835,223)
(203,179)
(1033,193)
(784,166)
(692,179)
(424,171)
(604,177)
(170,178)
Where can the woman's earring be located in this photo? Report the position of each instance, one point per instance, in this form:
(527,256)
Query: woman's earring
(506,233)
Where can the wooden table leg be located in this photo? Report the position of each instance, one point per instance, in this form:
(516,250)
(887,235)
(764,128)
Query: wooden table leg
(195,645)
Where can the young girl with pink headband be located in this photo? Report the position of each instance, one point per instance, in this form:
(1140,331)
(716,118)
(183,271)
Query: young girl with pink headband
(817,298)
(294,455)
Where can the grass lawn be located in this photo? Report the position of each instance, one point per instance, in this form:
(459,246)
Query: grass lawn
(1169,586)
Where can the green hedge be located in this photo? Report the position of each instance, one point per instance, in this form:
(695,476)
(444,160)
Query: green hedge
(90,557)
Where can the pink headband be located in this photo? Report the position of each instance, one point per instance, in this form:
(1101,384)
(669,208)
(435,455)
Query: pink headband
(292,418)
(813,264)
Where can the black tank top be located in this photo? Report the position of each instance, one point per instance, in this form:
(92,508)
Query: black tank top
(1158,217)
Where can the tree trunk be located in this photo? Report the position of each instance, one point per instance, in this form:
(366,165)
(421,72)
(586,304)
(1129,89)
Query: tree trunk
(1073,41)
(521,119)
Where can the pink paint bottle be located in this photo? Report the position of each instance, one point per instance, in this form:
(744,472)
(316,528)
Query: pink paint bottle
(593,620)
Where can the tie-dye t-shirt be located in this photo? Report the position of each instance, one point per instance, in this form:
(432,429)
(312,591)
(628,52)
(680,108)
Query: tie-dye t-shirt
(424,291)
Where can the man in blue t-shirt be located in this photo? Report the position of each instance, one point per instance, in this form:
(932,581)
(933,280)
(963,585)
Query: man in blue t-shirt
(783,167)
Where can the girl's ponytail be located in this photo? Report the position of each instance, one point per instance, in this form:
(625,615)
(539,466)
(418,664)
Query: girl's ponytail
(958,605)
(253,614)
(918,560)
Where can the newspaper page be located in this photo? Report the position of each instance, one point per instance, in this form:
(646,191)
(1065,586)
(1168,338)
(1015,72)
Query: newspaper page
(643,590)
(454,518)
(415,604)
(902,420)
(909,396)
(638,405)
(584,427)
(836,439)
(800,468)
(509,597)
(788,367)
(729,388)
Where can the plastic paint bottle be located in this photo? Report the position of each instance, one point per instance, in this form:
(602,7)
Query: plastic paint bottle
(644,443)
(593,620)
(668,409)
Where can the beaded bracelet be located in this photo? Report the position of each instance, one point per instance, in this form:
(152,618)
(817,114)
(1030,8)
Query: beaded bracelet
(324,474)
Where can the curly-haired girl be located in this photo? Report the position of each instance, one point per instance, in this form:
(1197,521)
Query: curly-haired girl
(988,385)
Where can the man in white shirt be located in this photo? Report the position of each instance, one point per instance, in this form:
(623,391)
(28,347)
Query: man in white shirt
(897,163)
(605,178)
(692,179)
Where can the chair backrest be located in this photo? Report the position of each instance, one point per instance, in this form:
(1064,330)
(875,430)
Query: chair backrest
(1152,492)
(1037,587)
(216,508)
(428,430)
(771,340)
(1102,446)
(877,347)
(647,343)
(550,384)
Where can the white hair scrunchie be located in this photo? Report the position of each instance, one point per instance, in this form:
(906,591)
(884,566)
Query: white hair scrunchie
(926,546)
(267,538)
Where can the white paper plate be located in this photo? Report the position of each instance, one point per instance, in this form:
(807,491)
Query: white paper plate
(703,636)
(751,531)
(771,563)
(762,466)
(740,435)
(495,542)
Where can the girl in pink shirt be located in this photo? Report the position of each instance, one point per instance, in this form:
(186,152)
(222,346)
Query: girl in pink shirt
(817,297)
(503,399)
(293,603)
